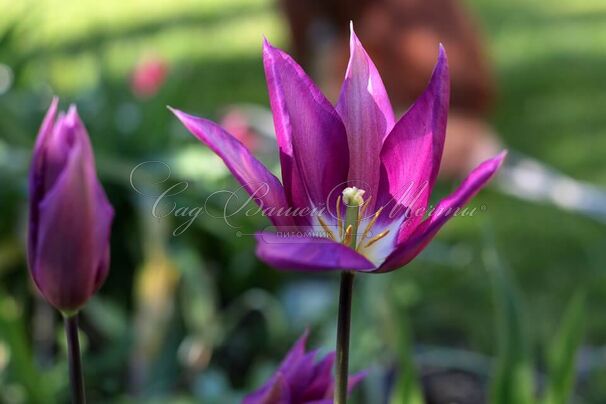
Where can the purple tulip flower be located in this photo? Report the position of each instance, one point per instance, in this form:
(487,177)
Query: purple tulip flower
(300,379)
(69,214)
(352,155)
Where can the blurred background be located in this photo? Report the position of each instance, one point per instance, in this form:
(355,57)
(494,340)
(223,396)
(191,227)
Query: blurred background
(505,307)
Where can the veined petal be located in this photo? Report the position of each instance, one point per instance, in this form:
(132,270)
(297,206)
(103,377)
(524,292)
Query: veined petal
(412,151)
(308,254)
(311,136)
(448,207)
(367,115)
(256,179)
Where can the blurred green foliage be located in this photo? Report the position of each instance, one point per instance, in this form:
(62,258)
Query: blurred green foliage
(197,318)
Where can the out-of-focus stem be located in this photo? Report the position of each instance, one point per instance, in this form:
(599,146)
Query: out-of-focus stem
(75,362)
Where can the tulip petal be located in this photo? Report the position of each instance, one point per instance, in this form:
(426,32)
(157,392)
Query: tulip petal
(302,374)
(321,382)
(308,254)
(274,391)
(36,178)
(256,179)
(367,115)
(104,212)
(412,151)
(311,136)
(296,353)
(448,207)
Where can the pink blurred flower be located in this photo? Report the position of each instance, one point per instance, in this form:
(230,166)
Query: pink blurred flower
(148,76)
(236,123)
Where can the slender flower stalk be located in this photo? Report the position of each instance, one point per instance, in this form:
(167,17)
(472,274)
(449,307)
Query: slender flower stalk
(69,225)
(343,331)
(75,362)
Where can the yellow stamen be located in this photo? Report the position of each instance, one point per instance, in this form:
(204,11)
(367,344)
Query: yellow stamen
(371,223)
(326,228)
(339,223)
(348,235)
(363,210)
(377,238)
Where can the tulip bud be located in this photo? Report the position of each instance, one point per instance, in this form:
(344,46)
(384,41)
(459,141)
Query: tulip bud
(69,214)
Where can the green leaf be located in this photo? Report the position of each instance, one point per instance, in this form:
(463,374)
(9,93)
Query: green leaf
(513,376)
(407,389)
(21,365)
(562,352)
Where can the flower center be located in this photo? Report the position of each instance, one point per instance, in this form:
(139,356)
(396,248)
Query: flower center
(349,226)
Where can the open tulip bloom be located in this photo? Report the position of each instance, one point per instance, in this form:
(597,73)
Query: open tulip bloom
(357,145)
(356,184)
(69,224)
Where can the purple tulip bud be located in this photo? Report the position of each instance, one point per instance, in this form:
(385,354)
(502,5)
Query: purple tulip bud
(70,216)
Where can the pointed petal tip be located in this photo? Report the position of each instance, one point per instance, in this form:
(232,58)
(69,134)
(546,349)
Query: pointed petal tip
(497,160)
(178,113)
(268,47)
(354,41)
(53,107)
(173,110)
(72,115)
(305,336)
(54,102)
(442,58)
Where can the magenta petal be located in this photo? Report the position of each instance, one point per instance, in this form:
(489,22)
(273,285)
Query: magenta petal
(311,136)
(425,232)
(322,380)
(256,179)
(308,254)
(276,391)
(367,114)
(412,151)
(296,353)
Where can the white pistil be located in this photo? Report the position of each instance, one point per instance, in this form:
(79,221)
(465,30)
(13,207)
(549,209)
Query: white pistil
(353,197)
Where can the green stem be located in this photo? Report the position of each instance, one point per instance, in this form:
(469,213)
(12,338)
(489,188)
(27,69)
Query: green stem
(75,363)
(343,330)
